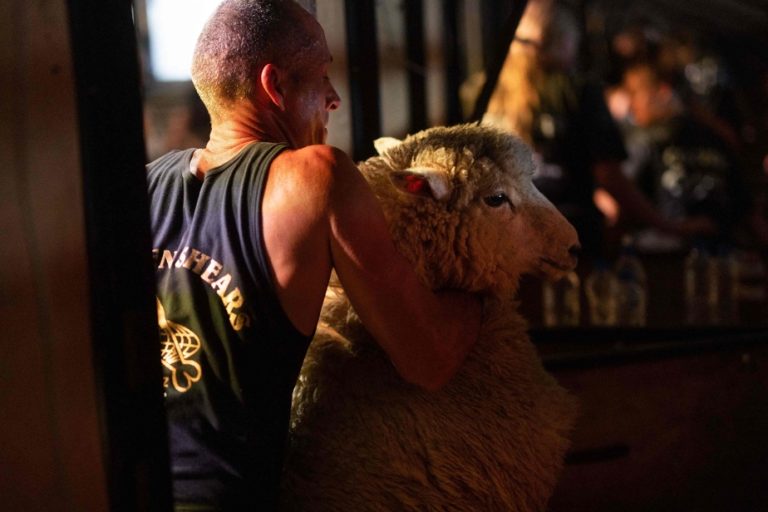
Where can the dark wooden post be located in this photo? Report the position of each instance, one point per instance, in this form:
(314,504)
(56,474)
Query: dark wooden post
(122,286)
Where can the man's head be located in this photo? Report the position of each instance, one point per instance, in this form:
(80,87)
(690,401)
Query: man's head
(242,39)
(651,98)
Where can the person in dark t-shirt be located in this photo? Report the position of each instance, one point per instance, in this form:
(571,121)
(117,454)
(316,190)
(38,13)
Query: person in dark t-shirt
(688,169)
(246,232)
(542,97)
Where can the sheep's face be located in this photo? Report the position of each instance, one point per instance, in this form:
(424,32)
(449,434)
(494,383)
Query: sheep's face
(464,208)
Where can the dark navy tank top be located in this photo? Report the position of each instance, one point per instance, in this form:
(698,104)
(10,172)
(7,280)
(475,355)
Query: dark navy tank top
(230,355)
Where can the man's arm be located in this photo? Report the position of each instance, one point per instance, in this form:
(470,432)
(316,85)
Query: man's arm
(427,335)
(319,212)
(639,209)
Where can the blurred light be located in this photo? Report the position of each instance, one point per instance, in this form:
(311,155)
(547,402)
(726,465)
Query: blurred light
(173,29)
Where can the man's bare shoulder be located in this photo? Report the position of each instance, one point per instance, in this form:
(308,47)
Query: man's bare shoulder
(317,158)
(318,171)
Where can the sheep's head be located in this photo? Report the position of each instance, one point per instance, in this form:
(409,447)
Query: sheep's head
(461,205)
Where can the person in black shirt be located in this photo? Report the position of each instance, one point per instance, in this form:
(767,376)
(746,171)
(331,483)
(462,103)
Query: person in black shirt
(542,97)
(689,169)
(246,232)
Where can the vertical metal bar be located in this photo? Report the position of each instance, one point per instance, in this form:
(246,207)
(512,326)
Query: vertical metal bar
(122,287)
(454,60)
(416,67)
(362,51)
(494,15)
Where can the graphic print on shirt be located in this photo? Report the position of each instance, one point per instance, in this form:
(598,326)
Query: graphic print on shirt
(177,346)
(213,274)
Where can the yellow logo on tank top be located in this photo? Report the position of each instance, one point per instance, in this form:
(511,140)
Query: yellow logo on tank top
(177,346)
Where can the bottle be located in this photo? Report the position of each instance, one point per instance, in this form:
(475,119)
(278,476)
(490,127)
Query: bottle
(723,281)
(751,286)
(631,286)
(697,285)
(601,290)
(562,307)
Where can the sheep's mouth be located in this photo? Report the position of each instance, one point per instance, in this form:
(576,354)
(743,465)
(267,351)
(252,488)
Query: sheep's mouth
(554,269)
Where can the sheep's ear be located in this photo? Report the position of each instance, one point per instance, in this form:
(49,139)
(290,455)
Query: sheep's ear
(384,144)
(422,181)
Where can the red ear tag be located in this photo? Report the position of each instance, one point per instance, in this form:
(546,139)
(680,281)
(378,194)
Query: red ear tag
(414,184)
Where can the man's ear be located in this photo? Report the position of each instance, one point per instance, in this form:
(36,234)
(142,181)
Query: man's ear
(272,85)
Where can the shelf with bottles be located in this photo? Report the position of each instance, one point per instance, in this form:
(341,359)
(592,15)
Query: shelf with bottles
(718,287)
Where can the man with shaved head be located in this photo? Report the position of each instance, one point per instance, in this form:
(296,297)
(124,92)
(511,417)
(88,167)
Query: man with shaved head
(246,232)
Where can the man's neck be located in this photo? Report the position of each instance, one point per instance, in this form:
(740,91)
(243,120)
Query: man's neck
(238,128)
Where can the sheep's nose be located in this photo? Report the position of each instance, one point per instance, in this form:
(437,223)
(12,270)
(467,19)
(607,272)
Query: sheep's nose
(575,250)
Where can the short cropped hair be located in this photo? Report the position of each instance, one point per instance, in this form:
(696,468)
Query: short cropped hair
(240,37)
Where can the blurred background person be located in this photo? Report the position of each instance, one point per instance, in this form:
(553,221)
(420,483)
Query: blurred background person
(542,96)
(689,167)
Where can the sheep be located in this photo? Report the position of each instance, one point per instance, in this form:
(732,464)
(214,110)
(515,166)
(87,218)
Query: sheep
(462,208)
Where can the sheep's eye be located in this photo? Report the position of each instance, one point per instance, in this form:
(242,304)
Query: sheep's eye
(496,200)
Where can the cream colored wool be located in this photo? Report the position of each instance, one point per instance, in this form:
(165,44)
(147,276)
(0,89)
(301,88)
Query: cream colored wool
(494,438)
